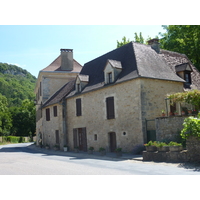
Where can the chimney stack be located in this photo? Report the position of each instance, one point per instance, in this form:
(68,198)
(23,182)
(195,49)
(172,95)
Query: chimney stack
(155,44)
(66,59)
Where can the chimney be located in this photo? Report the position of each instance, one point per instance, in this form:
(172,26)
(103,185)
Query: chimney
(66,59)
(155,44)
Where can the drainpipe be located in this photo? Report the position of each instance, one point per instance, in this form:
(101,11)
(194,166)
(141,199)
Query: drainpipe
(166,106)
(64,111)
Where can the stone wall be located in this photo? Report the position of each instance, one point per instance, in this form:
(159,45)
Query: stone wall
(153,94)
(126,124)
(193,147)
(169,128)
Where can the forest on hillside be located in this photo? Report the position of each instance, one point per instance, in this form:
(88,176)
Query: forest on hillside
(17,109)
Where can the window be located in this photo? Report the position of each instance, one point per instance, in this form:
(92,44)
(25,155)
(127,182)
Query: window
(110,108)
(78,85)
(47,114)
(187,77)
(110,77)
(78,107)
(57,136)
(95,137)
(55,111)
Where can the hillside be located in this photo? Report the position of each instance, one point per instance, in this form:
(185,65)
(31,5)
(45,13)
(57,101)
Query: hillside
(16,84)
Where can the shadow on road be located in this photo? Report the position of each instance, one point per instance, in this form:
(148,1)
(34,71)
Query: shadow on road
(33,149)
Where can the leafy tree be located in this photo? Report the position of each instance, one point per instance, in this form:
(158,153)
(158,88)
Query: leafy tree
(5,116)
(123,42)
(183,39)
(24,119)
(139,38)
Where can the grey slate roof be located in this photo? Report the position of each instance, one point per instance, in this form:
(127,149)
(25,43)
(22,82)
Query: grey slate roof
(60,94)
(137,60)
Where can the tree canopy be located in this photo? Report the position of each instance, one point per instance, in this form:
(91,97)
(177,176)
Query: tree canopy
(137,38)
(183,39)
(17,110)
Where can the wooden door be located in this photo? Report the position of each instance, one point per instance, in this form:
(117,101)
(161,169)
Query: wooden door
(113,143)
(80,138)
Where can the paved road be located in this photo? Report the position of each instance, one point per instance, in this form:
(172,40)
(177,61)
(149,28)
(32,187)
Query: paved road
(20,159)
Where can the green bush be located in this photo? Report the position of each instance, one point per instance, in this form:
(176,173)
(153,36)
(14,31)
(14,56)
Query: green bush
(13,139)
(191,127)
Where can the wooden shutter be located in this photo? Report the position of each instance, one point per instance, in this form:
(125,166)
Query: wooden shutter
(47,114)
(75,131)
(78,107)
(57,136)
(110,108)
(55,111)
(84,139)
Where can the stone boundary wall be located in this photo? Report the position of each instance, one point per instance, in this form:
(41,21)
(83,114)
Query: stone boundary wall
(168,128)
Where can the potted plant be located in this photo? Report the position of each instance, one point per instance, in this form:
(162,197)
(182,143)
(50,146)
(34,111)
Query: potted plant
(90,150)
(118,152)
(189,111)
(151,146)
(162,146)
(163,113)
(174,146)
(170,113)
(56,147)
(175,113)
(182,112)
(102,151)
(65,147)
(47,146)
(76,149)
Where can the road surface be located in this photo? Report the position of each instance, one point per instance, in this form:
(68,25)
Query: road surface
(20,159)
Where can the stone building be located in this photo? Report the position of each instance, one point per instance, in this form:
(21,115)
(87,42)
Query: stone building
(110,101)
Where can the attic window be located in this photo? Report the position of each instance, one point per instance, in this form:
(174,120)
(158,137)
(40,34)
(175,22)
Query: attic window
(110,77)
(187,77)
(78,87)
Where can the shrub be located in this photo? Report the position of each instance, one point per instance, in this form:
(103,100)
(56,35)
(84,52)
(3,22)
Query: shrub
(191,127)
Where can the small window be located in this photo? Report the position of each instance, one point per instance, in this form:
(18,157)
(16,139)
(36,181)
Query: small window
(95,137)
(47,114)
(187,77)
(78,87)
(55,111)
(110,108)
(78,107)
(110,77)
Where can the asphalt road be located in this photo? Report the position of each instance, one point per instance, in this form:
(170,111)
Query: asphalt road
(19,159)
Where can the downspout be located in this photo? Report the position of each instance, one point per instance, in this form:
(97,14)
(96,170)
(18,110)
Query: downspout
(64,112)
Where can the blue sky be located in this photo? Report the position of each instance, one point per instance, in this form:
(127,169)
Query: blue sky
(33,47)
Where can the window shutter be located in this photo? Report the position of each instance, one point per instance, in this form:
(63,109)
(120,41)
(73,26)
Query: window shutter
(78,107)
(84,135)
(55,111)
(57,136)
(110,108)
(75,137)
(47,114)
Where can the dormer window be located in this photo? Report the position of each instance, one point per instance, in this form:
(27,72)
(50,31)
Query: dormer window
(81,82)
(112,70)
(184,71)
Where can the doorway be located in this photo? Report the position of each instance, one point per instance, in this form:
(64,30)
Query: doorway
(112,141)
(80,138)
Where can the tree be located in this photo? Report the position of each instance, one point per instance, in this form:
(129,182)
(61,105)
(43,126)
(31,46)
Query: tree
(123,42)
(5,116)
(183,39)
(24,119)
(139,38)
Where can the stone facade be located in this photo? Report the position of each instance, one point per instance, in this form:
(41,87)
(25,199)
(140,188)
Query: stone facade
(135,100)
(126,124)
